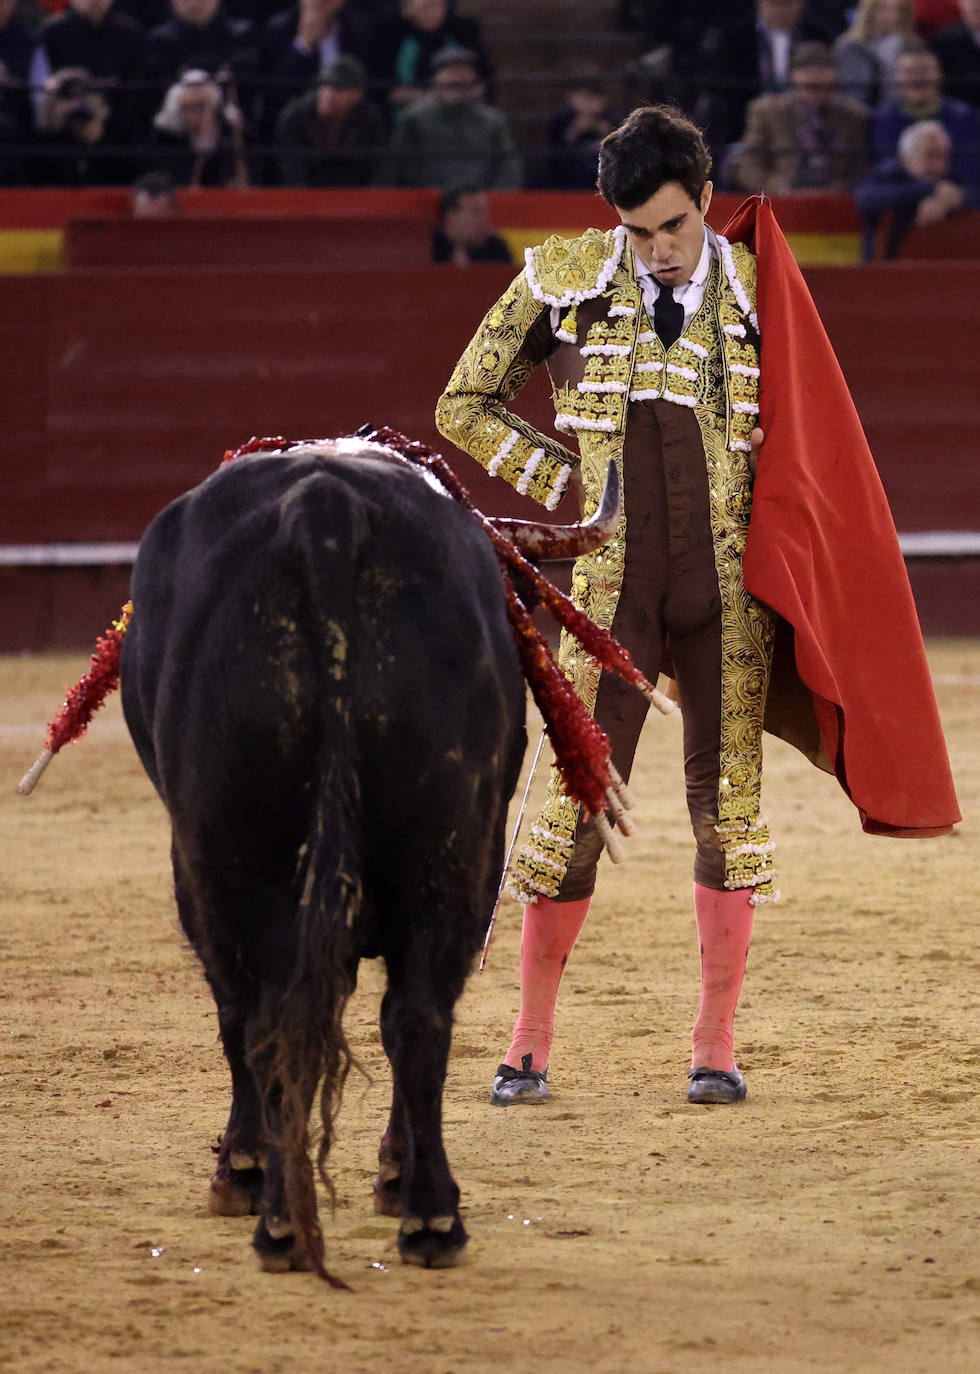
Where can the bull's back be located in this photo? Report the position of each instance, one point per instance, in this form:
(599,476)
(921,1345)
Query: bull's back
(294,614)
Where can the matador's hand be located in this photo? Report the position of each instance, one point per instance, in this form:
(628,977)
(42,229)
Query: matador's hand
(757,438)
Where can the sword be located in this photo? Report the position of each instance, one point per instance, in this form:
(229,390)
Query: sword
(510,851)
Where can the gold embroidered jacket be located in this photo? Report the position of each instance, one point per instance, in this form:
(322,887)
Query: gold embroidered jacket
(624,362)
(713,368)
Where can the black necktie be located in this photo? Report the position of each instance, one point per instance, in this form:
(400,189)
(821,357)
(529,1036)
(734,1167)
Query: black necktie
(668,316)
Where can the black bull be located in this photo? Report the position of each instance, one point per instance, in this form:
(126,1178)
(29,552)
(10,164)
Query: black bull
(321,682)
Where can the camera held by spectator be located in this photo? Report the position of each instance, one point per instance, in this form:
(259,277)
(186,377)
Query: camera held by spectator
(71,105)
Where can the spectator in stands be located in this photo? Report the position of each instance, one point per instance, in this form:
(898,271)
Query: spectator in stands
(406,45)
(451,137)
(332,135)
(154,196)
(13,135)
(302,41)
(678,42)
(72,120)
(868,51)
(112,49)
(16,116)
(198,134)
(465,233)
(913,188)
(958,50)
(918,83)
(809,138)
(574,134)
(745,59)
(200,36)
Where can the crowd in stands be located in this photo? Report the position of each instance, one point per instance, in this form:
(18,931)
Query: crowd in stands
(877,98)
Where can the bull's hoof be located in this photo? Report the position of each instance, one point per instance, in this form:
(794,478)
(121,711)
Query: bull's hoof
(235,1192)
(281,1254)
(438,1243)
(387,1195)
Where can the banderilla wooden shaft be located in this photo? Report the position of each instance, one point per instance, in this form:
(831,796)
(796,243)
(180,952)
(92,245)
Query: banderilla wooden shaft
(510,851)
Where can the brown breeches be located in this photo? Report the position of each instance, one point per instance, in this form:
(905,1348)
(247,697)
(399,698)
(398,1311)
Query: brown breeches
(669,596)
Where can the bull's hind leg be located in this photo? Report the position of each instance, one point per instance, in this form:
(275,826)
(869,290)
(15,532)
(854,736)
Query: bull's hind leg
(236,1188)
(237,1183)
(416,1029)
(394,1148)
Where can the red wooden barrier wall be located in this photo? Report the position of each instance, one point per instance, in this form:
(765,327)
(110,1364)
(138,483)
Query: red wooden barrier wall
(123,388)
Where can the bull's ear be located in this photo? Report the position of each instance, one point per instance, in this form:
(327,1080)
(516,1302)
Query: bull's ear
(543,543)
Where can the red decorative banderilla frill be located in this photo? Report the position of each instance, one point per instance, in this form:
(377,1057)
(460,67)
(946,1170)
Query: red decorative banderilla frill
(84,699)
(582,751)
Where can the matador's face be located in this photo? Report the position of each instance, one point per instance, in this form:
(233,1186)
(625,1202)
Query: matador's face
(667,232)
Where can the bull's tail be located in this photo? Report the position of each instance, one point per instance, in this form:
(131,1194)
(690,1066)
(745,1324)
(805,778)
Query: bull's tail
(309,1047)
(310,1051)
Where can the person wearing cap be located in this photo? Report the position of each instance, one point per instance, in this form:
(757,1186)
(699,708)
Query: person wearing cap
(451,137)
(300,43)
(809,138)
(331,135)
(406,44)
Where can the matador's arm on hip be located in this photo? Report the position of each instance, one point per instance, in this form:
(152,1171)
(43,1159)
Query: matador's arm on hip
(514,337)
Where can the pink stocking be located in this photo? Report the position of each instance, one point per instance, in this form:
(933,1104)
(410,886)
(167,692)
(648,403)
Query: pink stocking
(724,931)
(549,932)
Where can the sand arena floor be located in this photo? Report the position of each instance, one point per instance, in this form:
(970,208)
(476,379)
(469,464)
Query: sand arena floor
(829,1223)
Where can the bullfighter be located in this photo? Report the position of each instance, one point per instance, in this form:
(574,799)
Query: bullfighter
(771,589)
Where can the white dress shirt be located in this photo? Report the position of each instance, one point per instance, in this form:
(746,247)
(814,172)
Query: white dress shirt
(690,295)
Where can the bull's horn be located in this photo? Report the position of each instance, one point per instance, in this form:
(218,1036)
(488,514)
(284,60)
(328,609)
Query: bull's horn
(543,543)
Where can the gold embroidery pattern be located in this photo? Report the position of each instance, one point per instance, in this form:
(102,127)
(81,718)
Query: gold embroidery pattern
(747,632)
(568,327)
(597,579)
(748,627)
(471,412)
(740,342)
(565,271)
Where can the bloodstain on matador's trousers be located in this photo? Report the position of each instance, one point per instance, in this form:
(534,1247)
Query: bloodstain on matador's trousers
(669,598)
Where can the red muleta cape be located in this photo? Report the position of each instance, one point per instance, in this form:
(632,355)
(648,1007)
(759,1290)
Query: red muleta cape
(822,551)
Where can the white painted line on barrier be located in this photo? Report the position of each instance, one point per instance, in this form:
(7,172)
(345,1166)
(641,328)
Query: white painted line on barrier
(916,544)
(940,544)
(66,555)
